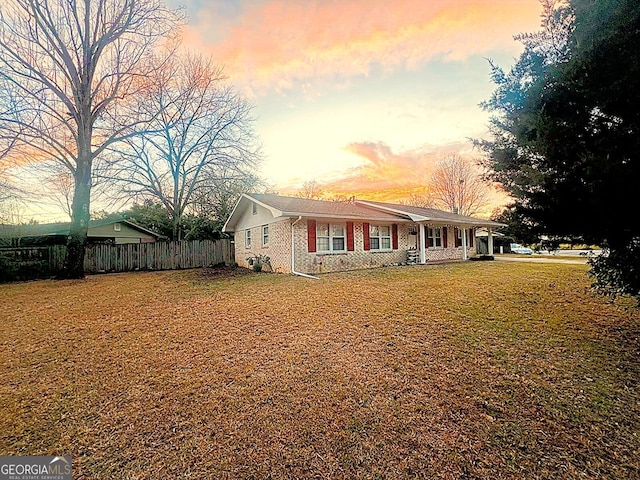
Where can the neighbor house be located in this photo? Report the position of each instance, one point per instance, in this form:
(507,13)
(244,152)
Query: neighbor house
(314,236)
(111,230)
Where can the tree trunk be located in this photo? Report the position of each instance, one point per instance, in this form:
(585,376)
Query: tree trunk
(77,239)
(177,231)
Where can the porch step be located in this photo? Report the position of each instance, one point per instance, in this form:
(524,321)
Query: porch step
(413,256)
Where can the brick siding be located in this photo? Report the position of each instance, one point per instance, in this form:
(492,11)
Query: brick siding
(279,250)
(449,252)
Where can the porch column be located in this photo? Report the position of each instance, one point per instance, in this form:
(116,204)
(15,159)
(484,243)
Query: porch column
(490,240)
(423,256)
(464,244)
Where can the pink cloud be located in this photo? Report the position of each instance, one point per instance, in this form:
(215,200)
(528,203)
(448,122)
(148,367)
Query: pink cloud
(391,176)
(385,172)
(277,43)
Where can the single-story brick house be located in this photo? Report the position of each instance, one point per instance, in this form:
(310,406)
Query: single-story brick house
(314,236)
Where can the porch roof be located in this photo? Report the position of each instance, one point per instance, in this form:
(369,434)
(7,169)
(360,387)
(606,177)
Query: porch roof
(421,214)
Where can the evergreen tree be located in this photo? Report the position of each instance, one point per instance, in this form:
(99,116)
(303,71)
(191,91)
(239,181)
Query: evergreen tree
(566,130)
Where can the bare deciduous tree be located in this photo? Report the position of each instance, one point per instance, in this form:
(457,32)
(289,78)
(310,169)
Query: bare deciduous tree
(7,190)
(202,132)
(10,197)
(59,187)
(311,190)
(341,198)
(458,186)
(425,200)
(68,69)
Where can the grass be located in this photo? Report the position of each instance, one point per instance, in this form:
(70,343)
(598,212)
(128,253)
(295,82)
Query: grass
(475,370)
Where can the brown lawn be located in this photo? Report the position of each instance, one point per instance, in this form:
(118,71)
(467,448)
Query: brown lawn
(476,370)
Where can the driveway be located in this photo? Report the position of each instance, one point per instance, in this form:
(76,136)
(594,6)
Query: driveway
(541,259)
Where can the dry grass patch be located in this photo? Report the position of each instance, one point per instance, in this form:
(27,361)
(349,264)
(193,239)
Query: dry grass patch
(475,370)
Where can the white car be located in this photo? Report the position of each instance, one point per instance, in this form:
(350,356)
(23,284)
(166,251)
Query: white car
(517,248)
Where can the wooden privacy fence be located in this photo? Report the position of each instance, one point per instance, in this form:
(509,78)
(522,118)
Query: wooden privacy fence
(33,262)
(157,255)
(26,263)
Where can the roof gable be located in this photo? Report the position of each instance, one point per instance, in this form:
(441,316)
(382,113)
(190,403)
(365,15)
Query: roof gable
(63,228)
(281,206)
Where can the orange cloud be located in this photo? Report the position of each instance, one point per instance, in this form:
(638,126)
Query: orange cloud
(392,177)
(389,174)
(276,43)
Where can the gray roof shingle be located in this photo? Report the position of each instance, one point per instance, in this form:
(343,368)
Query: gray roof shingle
(420,213)
(358,210)
(290,206)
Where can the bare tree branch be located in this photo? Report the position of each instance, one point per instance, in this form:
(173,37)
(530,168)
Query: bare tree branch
(311,190)
(458,186)
(201,133)
(426,200)
(69,73)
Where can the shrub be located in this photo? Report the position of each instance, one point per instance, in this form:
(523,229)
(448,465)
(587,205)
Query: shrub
(258,262)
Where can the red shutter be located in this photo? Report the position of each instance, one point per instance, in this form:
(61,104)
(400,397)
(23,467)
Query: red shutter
(394,236)
(444,236)
(365,236)
(471,234)
(311,235)
(350,236)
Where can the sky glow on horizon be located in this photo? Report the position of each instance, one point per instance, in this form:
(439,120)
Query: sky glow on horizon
(361,96)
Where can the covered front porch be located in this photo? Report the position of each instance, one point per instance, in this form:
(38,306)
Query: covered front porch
(430,241)
(437,235)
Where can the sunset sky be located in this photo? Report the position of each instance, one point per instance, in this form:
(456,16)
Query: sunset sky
(363,96)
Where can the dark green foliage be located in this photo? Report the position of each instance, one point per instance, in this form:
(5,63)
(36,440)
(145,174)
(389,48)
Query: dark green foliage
(26,264)
(153,216)
(201,228)
(617,272)
(7,269)
(483,258)
(566,132)
(519,227)
(157,218)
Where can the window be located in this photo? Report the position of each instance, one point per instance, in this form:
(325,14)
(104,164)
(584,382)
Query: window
(265,235)
(254,208)
(247,239)
(435,237)
(117,227)
(330,237)
(380,237)
(467,235)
